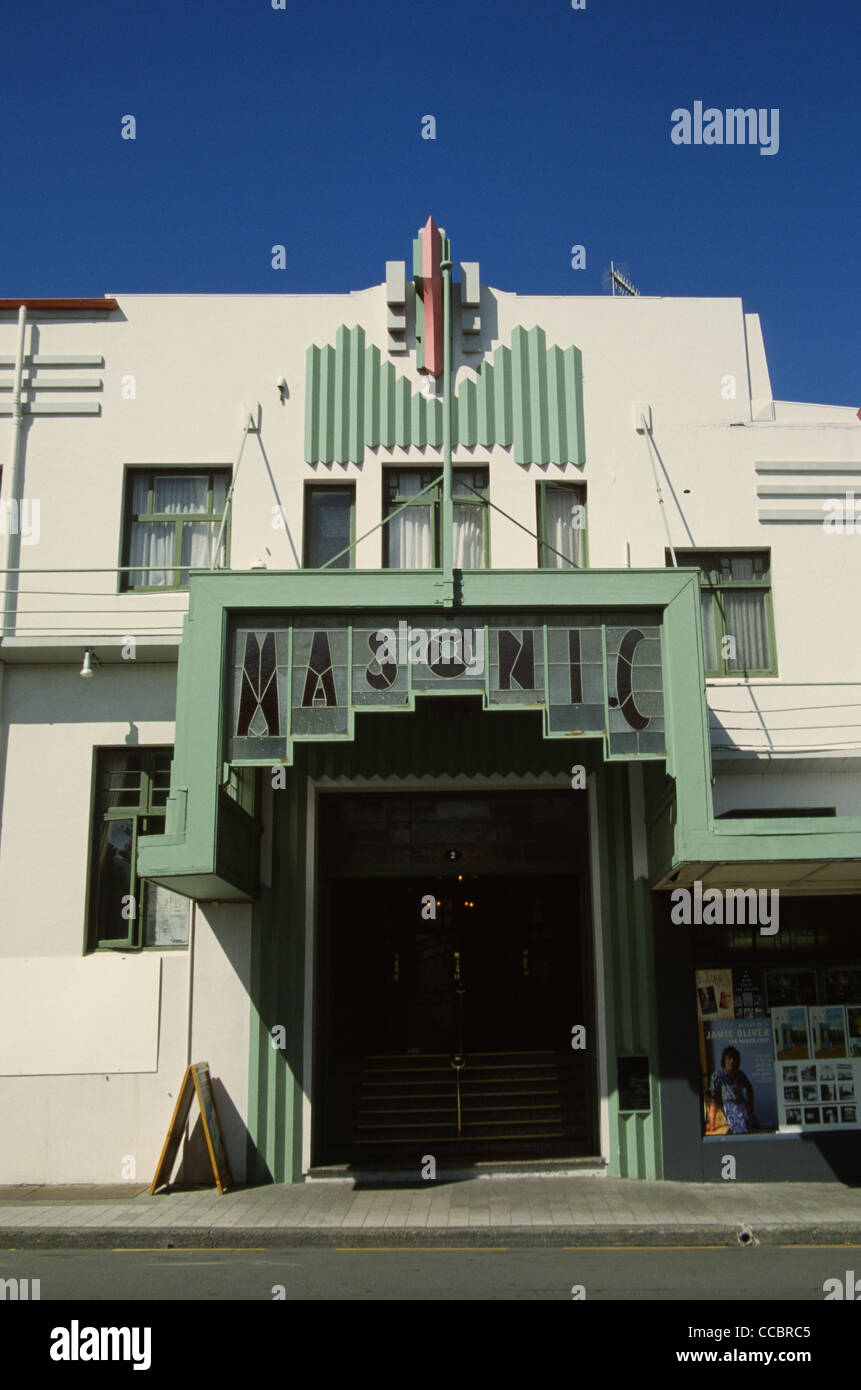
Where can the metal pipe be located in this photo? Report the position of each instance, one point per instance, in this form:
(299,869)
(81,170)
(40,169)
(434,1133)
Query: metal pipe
(648,434)
(447,505)
(229,498)
(11,548)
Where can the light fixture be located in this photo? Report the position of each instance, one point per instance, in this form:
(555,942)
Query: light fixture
(90,660)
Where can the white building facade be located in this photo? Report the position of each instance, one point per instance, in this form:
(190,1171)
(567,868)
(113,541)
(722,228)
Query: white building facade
(213,505)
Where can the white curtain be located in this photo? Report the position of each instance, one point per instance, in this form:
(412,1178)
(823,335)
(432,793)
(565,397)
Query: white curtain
(179,495)
(709,631)
(467,538)
(745,621)
(563,535)
(152,547)
(410,539)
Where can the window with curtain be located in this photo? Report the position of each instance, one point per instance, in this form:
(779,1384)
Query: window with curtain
(412,539)
(172,524)
(735,595)
(561,525)
(130,800)
(329,512)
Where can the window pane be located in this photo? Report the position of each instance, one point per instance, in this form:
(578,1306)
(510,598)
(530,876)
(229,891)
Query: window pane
(151,547)
(220,484)
(160,780)
(468,538)
(114,879)
(140,493)
(165,917)
(746,622)
(180,494)
(710,610)
(121,780)
(563,534)
(198,544)
(329,516)
(410,539)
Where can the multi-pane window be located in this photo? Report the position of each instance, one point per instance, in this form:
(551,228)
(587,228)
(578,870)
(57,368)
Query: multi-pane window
(329,525)
(561,525)
(735,592)
(131,795)
(172,524)
(412,538)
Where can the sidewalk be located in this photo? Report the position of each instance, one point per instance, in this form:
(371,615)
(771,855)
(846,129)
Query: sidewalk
(526,1211)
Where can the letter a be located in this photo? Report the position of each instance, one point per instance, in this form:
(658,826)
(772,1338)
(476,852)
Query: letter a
(578,257)
(428,127)
(129,130)
(429,908)
(727,1166)
(428,1166)
(578,1038)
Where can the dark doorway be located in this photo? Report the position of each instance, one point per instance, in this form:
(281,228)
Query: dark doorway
(446,1002)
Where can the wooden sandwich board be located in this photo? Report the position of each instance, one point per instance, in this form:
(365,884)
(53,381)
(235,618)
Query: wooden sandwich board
(196,1081)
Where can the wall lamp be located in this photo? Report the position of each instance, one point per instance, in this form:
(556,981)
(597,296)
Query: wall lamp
(90,660)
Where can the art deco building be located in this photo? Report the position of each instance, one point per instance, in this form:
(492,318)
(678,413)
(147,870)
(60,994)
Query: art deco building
(439,710)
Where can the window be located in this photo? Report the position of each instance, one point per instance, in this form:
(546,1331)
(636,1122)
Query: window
(561,525)
(131,794)
(329,525)
(412,538)
(172,523)
(738,628)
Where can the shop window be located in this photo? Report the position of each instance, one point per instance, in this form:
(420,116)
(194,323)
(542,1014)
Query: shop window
(412,537)
(172,522)
(329,525)
(561,525)
(738,626)
(130,800)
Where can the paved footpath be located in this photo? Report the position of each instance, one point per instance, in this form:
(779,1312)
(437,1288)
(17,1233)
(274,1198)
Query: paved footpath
(526,1211)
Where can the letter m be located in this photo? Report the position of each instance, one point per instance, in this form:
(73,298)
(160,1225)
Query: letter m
(745,914)
(736,119)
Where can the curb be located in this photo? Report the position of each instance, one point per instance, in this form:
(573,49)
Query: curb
(448,1237)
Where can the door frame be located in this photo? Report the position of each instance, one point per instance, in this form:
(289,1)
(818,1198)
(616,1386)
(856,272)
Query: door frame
(323,786)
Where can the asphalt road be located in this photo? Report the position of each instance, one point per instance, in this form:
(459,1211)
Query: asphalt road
(717,1276)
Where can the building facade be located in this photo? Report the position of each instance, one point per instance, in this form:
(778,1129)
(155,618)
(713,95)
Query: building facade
(438,711)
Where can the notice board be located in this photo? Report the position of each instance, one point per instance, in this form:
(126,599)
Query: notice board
(195,1082)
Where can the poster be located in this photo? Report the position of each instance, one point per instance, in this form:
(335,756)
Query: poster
(714,993)
(818,1095)
(784,987)
(843,986)
(828,1030)
(791,1041)
(750,1072)
(748,995)
(853,1029)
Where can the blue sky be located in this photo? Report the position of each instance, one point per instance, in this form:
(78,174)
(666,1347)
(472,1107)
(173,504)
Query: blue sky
(302,127)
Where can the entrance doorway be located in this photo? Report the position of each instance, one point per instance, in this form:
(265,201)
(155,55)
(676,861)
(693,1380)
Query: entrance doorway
(448,988)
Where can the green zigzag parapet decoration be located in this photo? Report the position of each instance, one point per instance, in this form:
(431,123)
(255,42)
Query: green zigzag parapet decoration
(529,397)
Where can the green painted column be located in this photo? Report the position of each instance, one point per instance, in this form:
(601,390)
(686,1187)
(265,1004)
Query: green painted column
(630,995)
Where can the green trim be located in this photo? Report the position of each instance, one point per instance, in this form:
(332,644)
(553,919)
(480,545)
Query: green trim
(545,559)
(528,397)
(348,550)
(166,518)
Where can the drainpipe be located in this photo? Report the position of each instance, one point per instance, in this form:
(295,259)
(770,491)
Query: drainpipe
(447,505)
(11,548)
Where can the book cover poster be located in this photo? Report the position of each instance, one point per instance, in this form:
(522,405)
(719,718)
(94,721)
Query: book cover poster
(714,993)
(818,1095)
(791,1042)
(853,1029)
(733,1081)
(748,992)
(828,1030)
